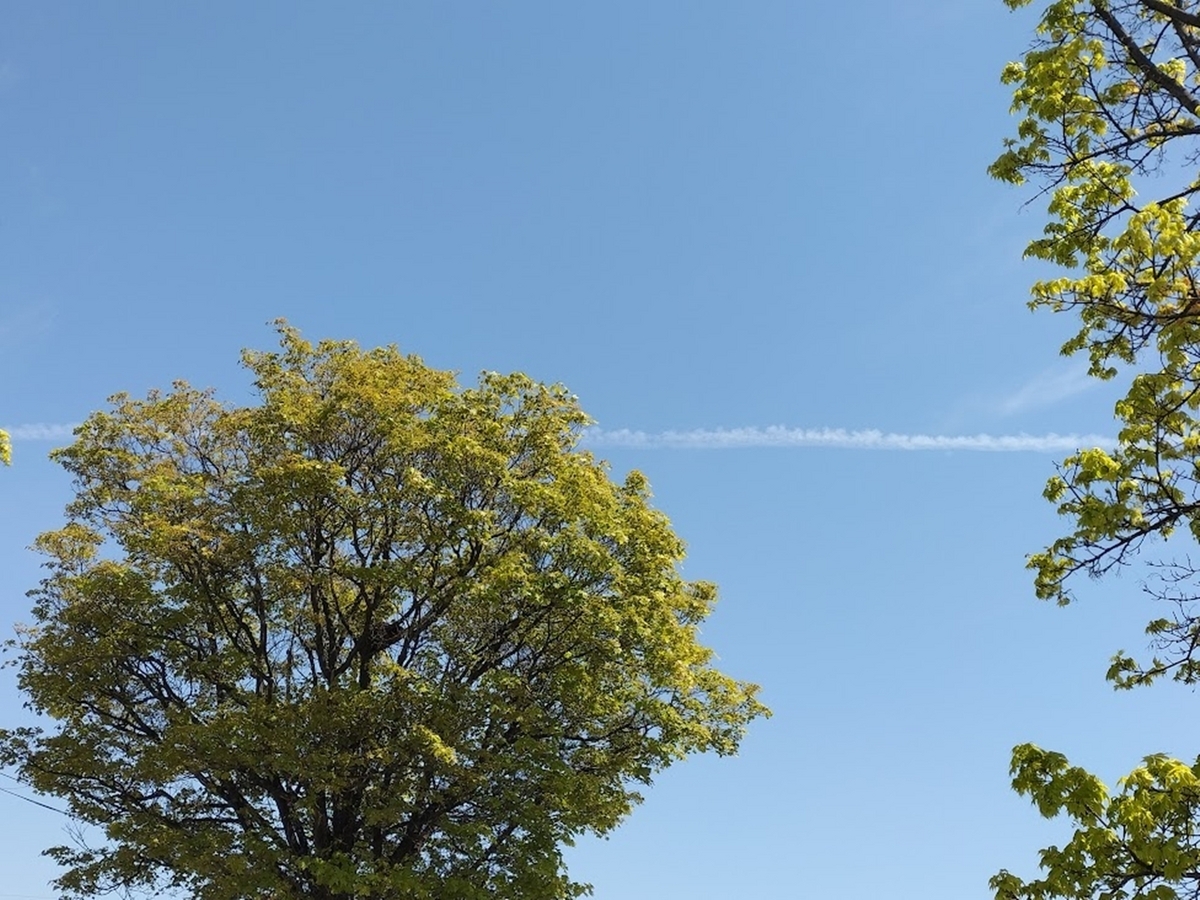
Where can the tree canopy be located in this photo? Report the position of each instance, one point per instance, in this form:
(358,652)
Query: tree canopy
(1109,99)
(5,448)
(375,636)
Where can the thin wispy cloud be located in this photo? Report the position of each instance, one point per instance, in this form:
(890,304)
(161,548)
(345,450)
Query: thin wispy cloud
(25,323)
(1046,389)
(8,76)
(838,438)
(39,431)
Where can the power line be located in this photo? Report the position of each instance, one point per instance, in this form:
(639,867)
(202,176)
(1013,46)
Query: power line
(61,812)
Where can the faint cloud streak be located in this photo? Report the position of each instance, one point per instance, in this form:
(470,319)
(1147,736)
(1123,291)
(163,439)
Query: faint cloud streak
(1048,388)
(25,323)
(9,76)
(838,438)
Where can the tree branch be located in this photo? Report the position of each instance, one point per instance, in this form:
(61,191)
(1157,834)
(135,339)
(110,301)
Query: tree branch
(1142,61)
(1172,12)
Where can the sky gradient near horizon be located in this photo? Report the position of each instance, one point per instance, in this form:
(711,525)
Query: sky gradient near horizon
(757,240)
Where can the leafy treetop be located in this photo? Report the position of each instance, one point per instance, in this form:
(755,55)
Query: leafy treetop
(374,637)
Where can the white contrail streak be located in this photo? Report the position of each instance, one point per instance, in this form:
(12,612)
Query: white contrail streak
(838,438)
(39,431)
(757,438)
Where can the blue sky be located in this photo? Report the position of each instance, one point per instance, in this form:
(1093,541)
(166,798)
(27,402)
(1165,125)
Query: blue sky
(756,239)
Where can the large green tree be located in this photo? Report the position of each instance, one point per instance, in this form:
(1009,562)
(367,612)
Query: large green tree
(1109,99)
(376,636)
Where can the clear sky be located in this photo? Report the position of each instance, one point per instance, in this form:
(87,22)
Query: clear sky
(701,217)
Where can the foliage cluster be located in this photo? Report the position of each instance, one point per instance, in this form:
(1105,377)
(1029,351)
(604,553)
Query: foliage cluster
(1109,99)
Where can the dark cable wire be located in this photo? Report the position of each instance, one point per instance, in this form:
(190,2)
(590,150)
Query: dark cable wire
(61,812)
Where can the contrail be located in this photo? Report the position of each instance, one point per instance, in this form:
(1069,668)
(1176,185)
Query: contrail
(757,438)
(39,431)
(839,438)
